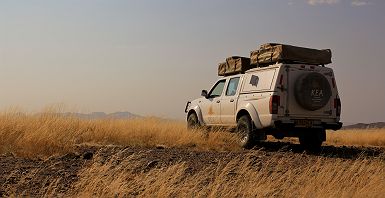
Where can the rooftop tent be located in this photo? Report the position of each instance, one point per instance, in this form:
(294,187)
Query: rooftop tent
(270,53)
(234,65)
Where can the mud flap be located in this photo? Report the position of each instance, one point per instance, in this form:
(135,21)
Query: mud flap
(260,135)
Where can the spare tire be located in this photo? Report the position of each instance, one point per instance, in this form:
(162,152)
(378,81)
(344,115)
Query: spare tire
(312,91)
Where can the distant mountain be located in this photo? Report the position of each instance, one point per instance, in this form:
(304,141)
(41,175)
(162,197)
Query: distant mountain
(102,115)
(376,125)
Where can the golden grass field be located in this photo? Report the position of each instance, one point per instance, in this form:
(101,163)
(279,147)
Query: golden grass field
(49,134)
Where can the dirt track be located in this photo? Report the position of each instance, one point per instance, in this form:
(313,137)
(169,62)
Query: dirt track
(31,176)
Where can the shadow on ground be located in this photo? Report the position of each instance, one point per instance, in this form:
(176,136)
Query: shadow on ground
(345,152)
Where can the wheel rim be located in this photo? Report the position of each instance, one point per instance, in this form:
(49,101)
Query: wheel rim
(192,122)
(242,133)
(244,139)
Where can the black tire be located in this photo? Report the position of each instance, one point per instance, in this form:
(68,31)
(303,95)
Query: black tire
(246,132)
(312,91)
(312,140)
(192,121)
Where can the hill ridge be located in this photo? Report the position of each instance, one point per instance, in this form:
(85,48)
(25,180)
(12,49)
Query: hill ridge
(374,125)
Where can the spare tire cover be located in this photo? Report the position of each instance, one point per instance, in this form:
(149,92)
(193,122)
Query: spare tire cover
(312,91)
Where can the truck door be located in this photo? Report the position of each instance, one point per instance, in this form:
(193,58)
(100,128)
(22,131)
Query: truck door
(229,101)
(210,106)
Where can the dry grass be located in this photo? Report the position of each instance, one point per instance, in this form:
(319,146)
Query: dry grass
(367,137)
(49,133)
(277,177)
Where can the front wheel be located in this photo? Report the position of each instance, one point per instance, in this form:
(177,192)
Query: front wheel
(192,121)
(245,132)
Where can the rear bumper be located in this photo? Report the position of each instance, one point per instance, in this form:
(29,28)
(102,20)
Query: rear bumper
(291,125)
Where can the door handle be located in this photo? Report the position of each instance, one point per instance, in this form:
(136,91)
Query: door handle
(218,101)
(232,100)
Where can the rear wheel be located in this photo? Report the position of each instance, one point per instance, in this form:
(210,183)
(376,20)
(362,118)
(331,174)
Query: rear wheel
(312,140)
(245,132)
(192,121)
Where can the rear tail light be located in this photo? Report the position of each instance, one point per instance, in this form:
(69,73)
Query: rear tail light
(337,106)
(274,104)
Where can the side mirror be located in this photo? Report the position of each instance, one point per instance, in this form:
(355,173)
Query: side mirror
(204,93)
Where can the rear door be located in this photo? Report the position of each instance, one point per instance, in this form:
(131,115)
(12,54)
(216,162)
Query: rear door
(309,91)
(229,101)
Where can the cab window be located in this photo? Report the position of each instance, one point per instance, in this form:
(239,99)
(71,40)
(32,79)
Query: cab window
(232,87)
(217,89)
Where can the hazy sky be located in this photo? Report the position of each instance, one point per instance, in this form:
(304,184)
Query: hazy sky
(150,57)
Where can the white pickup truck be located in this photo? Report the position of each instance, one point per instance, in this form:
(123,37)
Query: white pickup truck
(282,100)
